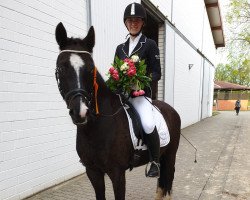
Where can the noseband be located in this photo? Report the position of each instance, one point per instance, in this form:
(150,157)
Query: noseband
(69,96)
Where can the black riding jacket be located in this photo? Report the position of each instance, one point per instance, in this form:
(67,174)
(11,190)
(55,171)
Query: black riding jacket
(147,50)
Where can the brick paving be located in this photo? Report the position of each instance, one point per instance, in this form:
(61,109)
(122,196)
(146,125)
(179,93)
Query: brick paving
(222,171)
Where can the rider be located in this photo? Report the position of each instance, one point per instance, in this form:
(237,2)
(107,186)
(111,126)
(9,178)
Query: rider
(138,44)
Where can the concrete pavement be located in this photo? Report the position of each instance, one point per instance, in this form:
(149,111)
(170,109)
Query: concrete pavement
(222,170)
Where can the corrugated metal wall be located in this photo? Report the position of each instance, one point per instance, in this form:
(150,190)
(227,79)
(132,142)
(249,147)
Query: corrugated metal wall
(37,137)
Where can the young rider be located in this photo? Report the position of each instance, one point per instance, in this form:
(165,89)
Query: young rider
(138,44)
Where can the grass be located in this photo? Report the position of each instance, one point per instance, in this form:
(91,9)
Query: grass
(215,113)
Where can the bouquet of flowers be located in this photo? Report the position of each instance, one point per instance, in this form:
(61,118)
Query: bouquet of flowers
(128,75)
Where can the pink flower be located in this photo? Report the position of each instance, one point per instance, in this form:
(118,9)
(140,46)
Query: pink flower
(115,71)
(131,71)
(111,70)
(127,60)
(130,62)
(141,92)
(136,93)
(115,76)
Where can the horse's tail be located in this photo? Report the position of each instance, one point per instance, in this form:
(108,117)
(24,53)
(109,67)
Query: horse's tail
(168,156)
(167,171)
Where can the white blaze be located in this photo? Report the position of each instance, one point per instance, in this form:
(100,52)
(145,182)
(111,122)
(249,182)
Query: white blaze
(83,109)
(77,62)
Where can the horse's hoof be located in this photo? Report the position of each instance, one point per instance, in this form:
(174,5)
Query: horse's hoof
(167,197)
(159,194)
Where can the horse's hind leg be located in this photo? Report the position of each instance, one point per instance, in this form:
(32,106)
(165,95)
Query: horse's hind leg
(117,177)
(164,188)
(97,180)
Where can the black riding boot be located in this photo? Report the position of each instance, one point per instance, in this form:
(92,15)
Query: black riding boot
(153,144)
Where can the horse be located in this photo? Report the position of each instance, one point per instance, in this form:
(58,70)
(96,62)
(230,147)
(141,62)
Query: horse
(103,141)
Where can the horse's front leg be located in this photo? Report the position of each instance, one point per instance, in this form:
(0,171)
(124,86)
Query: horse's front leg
(117,177)
(96,177)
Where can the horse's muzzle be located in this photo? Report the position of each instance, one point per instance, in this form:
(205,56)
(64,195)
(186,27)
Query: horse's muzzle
(76,118)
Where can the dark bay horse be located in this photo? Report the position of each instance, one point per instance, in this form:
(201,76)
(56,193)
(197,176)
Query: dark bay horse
(103,139)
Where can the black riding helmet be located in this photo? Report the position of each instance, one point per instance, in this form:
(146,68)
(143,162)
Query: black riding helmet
(135,10)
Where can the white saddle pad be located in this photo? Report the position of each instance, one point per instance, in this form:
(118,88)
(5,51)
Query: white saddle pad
(161,128)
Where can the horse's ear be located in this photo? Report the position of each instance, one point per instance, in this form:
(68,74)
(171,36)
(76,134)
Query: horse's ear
(90,39)
(61,35)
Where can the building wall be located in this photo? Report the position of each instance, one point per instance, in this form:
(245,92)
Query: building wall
(161,45)
(169,65)
(188,18)
(187,82)
(110,31)
(37,138)
(230,104)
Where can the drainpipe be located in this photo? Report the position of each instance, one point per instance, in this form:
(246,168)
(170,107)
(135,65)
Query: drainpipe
(89,13)
(172,2)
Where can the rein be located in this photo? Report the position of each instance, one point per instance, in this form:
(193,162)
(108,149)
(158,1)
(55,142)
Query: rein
(95,85)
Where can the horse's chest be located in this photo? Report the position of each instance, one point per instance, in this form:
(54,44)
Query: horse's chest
(92,154)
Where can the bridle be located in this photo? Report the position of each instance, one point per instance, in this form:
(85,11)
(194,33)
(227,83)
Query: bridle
(88,97)
(72,94)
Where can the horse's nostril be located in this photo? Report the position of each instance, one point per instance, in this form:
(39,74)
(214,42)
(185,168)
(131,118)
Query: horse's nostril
(71,111)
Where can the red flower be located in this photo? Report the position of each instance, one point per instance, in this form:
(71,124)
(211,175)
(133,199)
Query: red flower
(111,70)
(131,71)
(125,75)
(115,76)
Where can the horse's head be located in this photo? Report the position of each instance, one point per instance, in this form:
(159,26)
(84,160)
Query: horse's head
(74,73)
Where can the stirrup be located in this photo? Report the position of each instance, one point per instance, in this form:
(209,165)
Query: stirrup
(158,167)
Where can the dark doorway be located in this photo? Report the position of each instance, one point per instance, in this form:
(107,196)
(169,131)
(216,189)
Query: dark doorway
(151,31)
(151,28)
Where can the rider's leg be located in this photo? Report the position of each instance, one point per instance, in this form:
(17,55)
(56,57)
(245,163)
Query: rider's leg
(145,110)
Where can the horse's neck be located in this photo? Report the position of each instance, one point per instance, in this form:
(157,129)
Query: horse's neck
(107,99)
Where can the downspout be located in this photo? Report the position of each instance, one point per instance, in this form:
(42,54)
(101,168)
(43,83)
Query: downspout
(202,88)
(200,111)
(174,71)
(164,61)
(89,14)
(172,3)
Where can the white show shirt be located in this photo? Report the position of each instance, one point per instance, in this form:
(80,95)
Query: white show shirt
(133,43)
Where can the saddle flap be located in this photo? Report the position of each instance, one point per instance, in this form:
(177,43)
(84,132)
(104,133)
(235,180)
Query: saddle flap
(136,121)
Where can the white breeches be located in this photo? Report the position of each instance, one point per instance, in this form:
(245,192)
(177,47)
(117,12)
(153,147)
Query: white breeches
(145,110)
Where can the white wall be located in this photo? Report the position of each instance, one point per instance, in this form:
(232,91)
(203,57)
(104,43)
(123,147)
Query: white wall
(188,18)
(187,82)
(208,47)
(107,19)
(164,6)
(169,65)
(37,138)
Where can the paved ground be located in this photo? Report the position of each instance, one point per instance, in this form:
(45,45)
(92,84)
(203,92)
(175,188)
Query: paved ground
(222,170)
